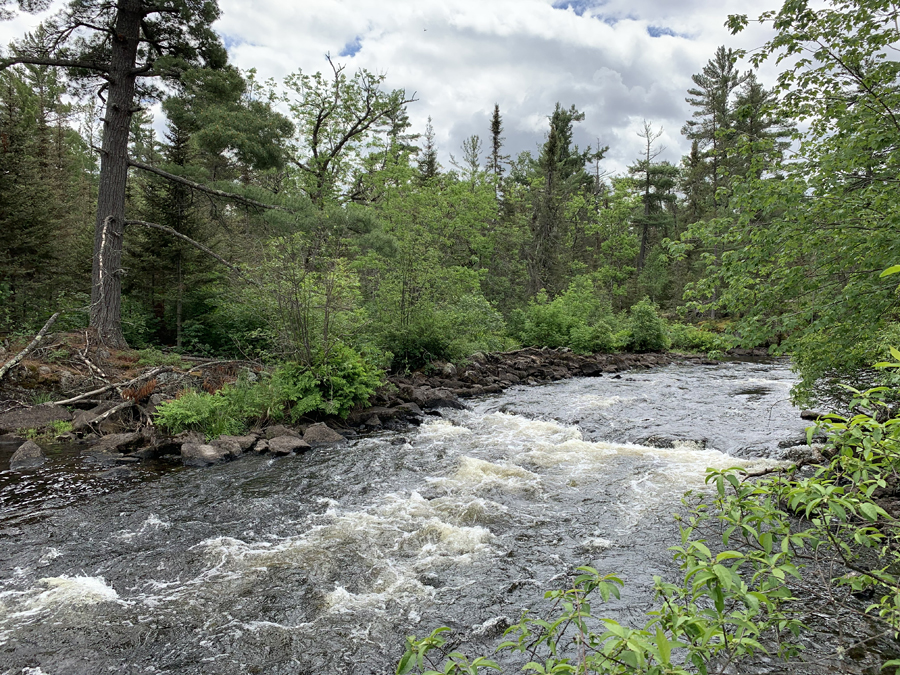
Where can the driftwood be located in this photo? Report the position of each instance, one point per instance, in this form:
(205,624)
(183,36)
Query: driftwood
(118,385)
(31,345)
(108,413)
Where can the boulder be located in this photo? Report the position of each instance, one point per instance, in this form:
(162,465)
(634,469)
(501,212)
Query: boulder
(120,443)
(202,454)
(442,398)
(245,442)
(281,430)
(231,448)
(28,456)
(285,445)
(262,445)
(374,422)
(320,434)
(407,409)
(36,417)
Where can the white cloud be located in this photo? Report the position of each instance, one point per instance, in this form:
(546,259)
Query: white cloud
(462,56)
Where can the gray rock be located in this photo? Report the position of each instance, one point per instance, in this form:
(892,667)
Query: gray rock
(202,454)
(281,430)
(36,417)
(120,443)
(232,448)
(245,442)
(409,409)
(448,370)
(373,422)
(262,445)
(28,456)
(320,434)
(285,445)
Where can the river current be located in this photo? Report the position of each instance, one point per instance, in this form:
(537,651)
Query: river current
(323,563)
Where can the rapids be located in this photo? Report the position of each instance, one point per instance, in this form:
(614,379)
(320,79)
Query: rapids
(323,563)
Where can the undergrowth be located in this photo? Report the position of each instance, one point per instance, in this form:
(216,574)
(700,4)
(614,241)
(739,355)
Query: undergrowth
(290,392)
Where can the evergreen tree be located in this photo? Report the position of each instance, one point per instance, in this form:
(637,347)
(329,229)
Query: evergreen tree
(429,167)
(119,49)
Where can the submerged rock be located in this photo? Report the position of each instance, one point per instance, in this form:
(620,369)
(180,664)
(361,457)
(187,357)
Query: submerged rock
(28,456)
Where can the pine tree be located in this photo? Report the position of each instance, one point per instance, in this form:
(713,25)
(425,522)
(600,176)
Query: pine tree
(428,164)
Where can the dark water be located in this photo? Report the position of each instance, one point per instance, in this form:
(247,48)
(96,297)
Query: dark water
(324,563)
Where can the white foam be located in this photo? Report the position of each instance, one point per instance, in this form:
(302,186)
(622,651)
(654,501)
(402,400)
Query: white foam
(75,591)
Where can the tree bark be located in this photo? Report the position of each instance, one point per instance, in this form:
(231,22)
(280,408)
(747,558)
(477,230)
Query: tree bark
(106,284)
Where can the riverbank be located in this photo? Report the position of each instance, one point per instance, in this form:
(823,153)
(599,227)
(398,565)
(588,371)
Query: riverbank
(106,401)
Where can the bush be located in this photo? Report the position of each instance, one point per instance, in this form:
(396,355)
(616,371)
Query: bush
(292,391)
(690,338)
(580,318)
(647,329)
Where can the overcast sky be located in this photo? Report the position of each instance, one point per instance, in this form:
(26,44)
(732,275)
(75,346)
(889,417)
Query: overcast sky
(618,61)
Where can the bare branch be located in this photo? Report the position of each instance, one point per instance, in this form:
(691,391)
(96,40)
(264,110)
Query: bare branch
(208,190)
(60,63)
(31,345)
(195,244)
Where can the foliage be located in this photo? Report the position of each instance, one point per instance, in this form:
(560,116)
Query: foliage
(804,237)
(155,357)
(647,330)
(693,339)
(580,318)
(291,391)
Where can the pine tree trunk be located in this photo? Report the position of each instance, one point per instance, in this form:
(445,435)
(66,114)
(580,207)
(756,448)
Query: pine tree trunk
(106,286)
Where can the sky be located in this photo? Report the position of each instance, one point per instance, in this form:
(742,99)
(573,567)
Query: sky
(618,61)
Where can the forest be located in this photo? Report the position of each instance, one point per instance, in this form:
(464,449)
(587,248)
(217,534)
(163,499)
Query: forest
(307,220)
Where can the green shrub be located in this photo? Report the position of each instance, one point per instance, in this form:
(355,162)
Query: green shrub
(648,330)
(340,382)
(580,318)
(154,357)
(210,414)
(690,338)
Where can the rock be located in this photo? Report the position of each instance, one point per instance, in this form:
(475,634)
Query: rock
(285,445)
(810,415)
(117,443)
(320,434)
(261,446)
(36,417)
(28,456)
(245,442)
(591,370)
(281,430)
(448,370)
(202,454)
(67,380)
(409,409)
(231,448)
(44,371)
(373,422)
(442,398)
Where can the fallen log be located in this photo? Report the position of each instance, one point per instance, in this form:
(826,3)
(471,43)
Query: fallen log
(31,345)
(117,385)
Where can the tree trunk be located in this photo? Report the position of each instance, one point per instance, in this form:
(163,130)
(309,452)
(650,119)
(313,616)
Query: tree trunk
(106,284)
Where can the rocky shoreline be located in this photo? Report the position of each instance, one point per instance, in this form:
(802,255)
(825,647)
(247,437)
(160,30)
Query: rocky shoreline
(116,430)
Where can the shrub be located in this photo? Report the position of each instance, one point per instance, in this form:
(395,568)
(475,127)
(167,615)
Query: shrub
(648,330)
(292,391)
(690,338)
(580,318)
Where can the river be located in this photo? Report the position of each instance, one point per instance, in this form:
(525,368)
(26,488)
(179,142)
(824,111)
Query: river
(323,563)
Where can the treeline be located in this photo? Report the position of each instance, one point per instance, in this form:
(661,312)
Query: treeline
(315,219)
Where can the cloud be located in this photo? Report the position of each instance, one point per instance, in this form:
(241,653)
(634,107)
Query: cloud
(619,61)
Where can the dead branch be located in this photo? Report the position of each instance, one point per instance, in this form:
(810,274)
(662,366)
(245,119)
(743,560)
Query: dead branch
(109,413)
(196,244)
(31,345)
(120,385)
(208,190)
